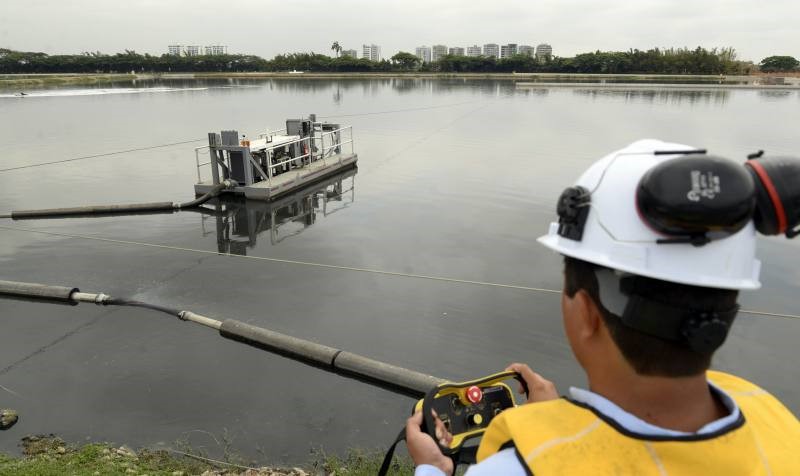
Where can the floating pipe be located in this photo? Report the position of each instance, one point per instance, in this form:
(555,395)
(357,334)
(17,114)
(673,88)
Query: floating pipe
(117,209)
(347,364)
(37,291)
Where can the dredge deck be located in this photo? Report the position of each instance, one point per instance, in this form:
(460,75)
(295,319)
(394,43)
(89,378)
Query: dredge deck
(276,162)
(291,181)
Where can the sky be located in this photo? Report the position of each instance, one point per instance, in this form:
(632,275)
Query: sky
(756,29)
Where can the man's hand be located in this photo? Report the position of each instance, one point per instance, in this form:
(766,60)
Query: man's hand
(422,448)
(539,388)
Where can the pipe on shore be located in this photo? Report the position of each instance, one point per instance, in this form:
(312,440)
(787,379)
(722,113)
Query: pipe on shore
(121,209)
(347,364)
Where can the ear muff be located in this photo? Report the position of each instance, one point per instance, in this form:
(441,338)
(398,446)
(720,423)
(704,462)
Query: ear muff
(777,182)
(696,199)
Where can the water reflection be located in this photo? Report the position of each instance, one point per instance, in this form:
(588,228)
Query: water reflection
(778,95)
(661,96)
(238,222)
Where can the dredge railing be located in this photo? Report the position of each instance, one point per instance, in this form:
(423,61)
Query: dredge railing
(320,145)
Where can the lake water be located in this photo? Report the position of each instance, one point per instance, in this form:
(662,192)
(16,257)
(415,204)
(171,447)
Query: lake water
(456,179)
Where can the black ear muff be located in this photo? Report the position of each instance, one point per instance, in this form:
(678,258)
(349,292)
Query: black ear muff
(696,199)
(573,209)
(777,182)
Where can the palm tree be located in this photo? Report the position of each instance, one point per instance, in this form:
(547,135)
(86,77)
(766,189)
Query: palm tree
(336,47)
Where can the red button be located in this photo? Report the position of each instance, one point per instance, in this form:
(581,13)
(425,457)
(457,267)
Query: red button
(474,394)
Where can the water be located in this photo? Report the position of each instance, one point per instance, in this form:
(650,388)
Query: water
(457,182)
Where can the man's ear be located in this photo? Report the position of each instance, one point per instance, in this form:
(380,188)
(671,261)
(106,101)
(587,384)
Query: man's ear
(588,314)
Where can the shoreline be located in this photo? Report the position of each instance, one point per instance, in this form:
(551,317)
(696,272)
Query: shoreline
(787,81)
(49,454)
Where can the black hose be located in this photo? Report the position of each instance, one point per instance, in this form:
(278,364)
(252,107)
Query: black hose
(146,305)
(204,198)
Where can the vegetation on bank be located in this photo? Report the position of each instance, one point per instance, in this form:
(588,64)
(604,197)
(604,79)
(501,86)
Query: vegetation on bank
(49,455)
(653,61)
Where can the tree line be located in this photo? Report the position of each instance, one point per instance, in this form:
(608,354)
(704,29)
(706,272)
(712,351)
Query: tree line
(653,61)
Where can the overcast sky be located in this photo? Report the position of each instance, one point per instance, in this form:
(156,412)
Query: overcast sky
(756,29)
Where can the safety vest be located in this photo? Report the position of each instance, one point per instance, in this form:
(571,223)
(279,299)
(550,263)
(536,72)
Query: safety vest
(560,437)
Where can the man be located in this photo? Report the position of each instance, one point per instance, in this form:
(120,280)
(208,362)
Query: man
(657,242)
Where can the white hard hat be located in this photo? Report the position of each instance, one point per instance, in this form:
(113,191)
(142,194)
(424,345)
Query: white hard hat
(616,236)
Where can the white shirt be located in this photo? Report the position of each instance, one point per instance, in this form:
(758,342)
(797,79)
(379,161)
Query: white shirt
(506,462)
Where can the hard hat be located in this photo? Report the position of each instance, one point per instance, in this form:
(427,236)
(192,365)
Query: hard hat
(609,219)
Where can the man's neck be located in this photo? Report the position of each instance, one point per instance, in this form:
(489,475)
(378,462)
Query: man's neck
(682,404)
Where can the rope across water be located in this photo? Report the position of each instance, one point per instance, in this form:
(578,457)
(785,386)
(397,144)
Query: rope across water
(332,266)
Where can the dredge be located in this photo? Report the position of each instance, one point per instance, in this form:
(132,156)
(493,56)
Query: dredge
(271,166)
(276,162)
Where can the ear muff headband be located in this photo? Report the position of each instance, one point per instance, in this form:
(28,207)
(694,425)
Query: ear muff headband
(769,187)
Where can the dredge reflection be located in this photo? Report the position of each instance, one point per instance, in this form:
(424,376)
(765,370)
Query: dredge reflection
(239,221)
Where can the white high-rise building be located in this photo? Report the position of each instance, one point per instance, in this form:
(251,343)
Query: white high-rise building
(455,51)
(351,53)
(437,51)
(193,50)
(491,49)
(509,50)
(216,50)
(474,50)
(525,50)
(371,52)
(544,51)
(174,50)
(424,53)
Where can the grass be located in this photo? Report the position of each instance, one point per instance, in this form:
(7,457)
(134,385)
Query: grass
(50,455)
(360,463)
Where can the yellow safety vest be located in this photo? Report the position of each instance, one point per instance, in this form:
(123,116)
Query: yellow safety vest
(560,437)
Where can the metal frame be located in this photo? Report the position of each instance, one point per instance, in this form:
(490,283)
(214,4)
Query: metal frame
(217,151)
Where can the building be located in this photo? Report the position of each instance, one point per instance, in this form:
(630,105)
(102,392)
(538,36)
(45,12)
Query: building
(437,51)
(455,51)
(192,50)
(544,52)
(526,50)
(174,50)
(424,54)
(474,50)
(509,50)
(350,53)
(216,50)
(371,52)
(491,49)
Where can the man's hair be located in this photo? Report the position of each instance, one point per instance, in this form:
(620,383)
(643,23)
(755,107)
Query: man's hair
(650,355)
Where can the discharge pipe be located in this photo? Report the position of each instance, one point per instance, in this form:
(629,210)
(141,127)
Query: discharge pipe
(127,208)
(347,364)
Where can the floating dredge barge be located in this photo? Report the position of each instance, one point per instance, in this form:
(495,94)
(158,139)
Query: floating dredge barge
(276,162)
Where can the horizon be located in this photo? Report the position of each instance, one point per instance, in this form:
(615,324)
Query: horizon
(383,57)
(147,26)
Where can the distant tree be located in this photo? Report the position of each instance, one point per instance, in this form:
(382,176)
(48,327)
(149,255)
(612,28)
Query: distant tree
(405,60)
(337,48)
(779,63)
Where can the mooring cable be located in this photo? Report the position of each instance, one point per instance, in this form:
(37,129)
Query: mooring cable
(104,154)
(282,260)
(333,266)
(161,146)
